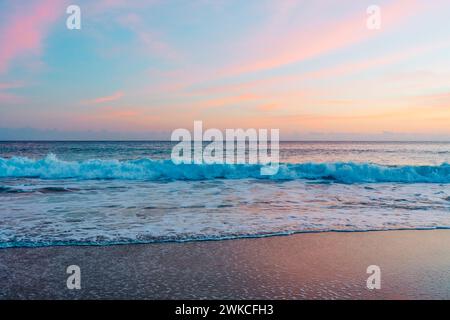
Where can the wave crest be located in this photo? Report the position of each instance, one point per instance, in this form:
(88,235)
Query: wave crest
(147,169)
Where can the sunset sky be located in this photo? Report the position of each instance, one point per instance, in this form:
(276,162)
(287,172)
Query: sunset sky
(140,69)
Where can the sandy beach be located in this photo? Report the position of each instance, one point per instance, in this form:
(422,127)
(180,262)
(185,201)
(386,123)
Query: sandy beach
(414,265)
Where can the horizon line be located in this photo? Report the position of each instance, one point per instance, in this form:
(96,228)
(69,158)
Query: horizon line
(151,140)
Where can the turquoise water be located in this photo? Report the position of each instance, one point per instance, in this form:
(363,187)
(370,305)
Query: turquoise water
(56,193)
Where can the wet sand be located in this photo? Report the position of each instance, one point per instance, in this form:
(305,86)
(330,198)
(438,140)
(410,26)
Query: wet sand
(414,265)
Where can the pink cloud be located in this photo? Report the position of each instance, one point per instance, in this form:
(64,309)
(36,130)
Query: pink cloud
(7,97)
(25,31)
(305,43)
(10,85)
(271,46)
(115,96)
(365,64)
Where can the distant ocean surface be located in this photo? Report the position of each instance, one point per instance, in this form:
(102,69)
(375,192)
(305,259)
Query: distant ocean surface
(100,193)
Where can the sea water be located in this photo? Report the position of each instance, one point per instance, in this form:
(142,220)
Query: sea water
(86,193)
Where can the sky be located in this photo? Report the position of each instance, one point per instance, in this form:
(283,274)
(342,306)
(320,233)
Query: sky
(141,69)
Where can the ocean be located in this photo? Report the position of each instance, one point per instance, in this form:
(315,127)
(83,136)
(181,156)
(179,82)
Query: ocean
(101,193)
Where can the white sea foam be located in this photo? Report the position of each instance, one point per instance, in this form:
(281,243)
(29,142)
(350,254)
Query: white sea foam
(38,212)
(51,167)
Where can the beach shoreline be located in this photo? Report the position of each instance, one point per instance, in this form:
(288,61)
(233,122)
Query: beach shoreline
(415,264)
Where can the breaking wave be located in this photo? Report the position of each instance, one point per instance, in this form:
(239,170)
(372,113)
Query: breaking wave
(51,167)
